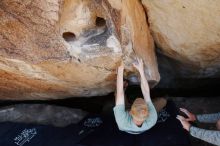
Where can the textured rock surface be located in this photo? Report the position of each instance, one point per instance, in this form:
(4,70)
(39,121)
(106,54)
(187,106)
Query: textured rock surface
(56,49)
(135,28)
(41,114)
(52,49)
(189,32)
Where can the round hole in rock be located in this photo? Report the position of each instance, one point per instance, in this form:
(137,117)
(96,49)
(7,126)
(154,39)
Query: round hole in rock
(100,22)
(69,36)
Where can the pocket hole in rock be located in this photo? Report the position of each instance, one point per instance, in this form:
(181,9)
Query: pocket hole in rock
(100,22)
(69,36)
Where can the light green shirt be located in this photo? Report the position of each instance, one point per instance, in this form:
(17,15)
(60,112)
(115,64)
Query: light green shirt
(125,123)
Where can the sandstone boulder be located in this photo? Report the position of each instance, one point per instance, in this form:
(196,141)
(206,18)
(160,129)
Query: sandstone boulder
(53,49)
(188,32)
(43,114)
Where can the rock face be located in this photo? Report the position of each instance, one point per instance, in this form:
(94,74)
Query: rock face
(53,49)
(41,114)
(189,32)
(138,38)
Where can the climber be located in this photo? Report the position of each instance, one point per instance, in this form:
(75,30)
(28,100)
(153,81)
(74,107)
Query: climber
(211,136)
(142,115)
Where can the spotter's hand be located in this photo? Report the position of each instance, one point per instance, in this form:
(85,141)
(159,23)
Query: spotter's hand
(191,116)
(186,125)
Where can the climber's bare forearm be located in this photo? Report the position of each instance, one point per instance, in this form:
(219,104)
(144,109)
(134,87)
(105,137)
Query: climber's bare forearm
(120,89)
(145,87)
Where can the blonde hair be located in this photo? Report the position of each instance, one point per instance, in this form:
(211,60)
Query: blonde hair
(139,109)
